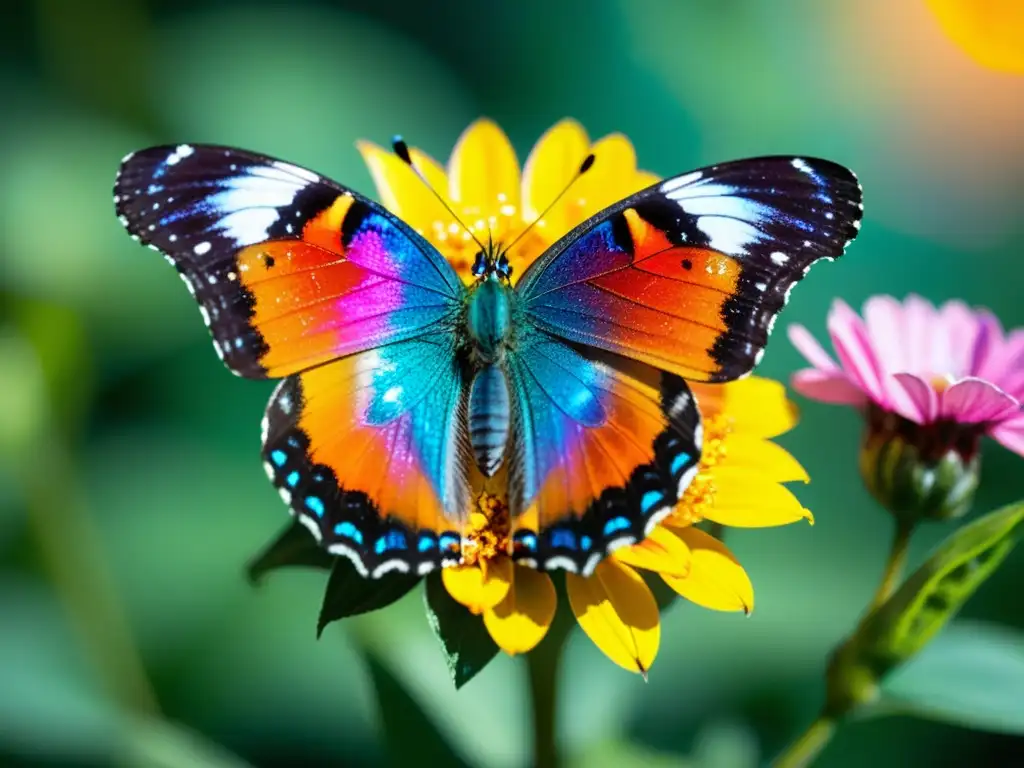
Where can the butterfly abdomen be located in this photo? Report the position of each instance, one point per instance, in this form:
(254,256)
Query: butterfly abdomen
(489,418)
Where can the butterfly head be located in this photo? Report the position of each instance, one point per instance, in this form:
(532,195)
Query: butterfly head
(492,264)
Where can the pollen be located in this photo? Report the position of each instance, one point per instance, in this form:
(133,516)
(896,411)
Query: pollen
(488,533)
(700,495)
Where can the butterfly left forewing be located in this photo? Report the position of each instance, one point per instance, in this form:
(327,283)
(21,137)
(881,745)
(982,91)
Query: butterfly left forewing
(689,274)
(290,269)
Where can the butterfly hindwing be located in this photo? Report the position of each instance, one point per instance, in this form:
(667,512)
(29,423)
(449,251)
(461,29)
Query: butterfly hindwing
(602,448)
(290,269)
(689,274)
(370,455)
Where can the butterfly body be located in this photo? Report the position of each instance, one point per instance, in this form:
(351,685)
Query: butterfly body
(399,382)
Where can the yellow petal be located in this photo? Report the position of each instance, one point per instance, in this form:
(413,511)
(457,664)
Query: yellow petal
(553,161)
(521,620)
(618,612)
(989,31)
(746,499)
(662,551)
(479,588)
(716,579)
(612,177)
(744,451)
(483,173)
(645,179)
(402,192)
(755,405)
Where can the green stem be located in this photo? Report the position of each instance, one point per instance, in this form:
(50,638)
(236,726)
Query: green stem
(73,556)
(543,668)
(894,565)
(810,744)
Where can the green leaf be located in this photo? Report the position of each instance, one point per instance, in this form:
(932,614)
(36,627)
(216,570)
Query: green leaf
(403,721)
(972,674)
(349,593)
(294,546)
(467,645)
(905,623)
(902,625)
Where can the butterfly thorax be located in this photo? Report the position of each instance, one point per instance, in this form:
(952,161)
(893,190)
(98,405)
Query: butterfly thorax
(489,318)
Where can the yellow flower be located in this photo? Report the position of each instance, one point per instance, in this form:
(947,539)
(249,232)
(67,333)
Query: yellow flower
(739,482)
(484,186)
(989,31)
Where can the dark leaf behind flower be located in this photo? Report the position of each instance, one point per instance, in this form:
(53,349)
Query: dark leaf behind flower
(467,646)
(349,594)
(294,546)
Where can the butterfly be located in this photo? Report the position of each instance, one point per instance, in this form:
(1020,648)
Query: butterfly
(401,387)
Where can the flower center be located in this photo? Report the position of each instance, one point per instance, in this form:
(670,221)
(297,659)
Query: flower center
(458,246)
(942,381)
(487,535)
(701,493)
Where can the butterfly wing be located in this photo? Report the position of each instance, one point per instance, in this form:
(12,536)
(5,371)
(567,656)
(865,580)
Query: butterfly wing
(299,277)
(689,274)
(602,449)
(290,269)
(369,452)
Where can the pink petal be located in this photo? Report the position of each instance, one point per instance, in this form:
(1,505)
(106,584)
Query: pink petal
(854,350)
(961,326)
(986,358)
(919,318)
(883,316)
(922,401)
(973,401)
(828,387)
(1006,368)
(809,347)
(1011,434)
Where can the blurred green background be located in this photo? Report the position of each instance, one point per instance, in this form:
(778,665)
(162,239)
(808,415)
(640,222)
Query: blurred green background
(130,456)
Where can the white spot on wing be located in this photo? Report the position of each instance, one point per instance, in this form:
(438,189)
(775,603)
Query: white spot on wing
(778,257)
(294,169)
(680,181)
(560,562)
(202,248)
(801,165)
(390,565)
(686,479)
(728,235)
(351,554)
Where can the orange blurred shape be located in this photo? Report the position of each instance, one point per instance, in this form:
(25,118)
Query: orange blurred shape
(990,31)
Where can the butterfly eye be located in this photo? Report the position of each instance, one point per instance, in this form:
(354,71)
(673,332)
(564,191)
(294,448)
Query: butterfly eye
(479,264)
(502,267)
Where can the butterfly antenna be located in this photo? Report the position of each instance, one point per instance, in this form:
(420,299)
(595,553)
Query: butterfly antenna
(586,165)
(402,150)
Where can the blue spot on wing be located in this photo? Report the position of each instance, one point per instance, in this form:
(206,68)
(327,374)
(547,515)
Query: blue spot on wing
(391,540)
(293,478)
(315,505)
(678,461)
(348,529)
(279,457)
(563,538)
(649,501)
(615,524)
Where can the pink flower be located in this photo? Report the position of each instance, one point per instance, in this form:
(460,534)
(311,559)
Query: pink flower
(947,365)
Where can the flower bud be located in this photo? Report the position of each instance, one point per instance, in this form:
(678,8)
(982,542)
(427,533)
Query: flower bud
(920,471)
